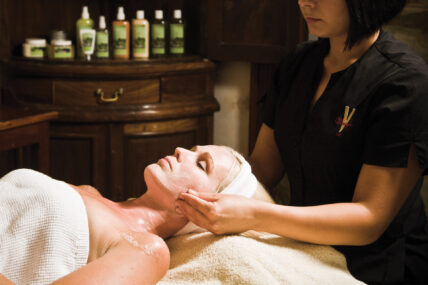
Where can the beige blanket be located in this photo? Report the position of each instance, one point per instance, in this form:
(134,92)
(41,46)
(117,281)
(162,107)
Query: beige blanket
(253,258)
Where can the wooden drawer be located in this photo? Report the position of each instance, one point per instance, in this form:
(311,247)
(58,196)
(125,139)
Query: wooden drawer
(119,92)
(184,87)
(31,90)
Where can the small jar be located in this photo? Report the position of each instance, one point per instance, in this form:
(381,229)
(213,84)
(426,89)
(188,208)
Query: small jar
(61,49)
(34,48)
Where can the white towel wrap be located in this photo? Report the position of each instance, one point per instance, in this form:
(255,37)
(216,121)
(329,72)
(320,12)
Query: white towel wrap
(244,184)
(44,232)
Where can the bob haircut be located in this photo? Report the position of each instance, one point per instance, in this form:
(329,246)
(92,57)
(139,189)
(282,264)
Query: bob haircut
(367,16)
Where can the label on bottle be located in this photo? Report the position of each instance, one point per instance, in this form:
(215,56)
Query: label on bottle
(62,52)
(87,39)
(158,39)
(139,36)
(176,44)
(81,25)
(37,51)
(119,40)
(102,45)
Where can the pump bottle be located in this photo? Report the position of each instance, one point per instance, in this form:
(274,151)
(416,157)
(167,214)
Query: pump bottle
(85,22)
(158,35)
(140,36)
(102,40)
(176,35)
(121,36)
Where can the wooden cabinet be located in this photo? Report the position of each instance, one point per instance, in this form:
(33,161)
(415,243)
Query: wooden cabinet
(147,109)
(257,31)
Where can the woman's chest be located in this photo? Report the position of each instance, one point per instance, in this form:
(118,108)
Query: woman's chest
(104,223)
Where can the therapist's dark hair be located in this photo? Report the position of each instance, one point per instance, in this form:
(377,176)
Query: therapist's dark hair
(367,16)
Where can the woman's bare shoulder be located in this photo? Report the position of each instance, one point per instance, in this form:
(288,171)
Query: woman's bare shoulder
(133,258)
(147,251)
(87,189)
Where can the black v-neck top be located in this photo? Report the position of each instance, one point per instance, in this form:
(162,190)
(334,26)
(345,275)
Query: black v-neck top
(370,113)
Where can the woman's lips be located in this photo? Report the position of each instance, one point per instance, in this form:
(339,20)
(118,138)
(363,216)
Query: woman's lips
(169,161)
(311,20)
(166,161)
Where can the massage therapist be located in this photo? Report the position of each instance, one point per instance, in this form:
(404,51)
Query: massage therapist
(346,118)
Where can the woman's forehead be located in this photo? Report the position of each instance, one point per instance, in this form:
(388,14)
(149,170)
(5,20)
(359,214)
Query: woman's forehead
(214,150)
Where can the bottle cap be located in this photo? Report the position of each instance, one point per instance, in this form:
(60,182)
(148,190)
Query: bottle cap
(120,14)
(177,14)
(102,23)
(85,12)
(140,14)
(159,14)
(36,41)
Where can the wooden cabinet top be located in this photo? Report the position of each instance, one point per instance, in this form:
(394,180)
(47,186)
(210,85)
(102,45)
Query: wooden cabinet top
(113,90)
(105,68)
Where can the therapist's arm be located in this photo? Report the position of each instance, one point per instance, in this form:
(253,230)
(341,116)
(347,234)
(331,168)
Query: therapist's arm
(379,194)
(265,160)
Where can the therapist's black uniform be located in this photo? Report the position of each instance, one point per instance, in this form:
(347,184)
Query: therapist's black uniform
(388,87)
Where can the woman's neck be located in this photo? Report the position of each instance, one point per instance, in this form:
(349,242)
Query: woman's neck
(145,215)
(340,58)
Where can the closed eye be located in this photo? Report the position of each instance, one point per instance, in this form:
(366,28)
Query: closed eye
(202,165)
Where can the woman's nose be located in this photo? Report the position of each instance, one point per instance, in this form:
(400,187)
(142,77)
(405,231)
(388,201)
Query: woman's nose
(306,3)
(179,153)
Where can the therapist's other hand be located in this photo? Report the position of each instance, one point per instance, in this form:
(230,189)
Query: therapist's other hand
(218,213)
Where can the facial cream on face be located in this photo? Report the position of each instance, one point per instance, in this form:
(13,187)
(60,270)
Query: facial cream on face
(87,41)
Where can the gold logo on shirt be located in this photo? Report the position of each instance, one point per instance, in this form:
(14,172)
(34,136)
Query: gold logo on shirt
(344,122)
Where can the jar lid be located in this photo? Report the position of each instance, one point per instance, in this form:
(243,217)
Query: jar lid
(61,43)
(36,41)
(58,35)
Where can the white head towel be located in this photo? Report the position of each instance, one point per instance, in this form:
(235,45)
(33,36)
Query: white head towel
(244,184)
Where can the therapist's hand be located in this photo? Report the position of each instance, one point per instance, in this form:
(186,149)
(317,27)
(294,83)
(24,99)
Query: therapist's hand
(218,213)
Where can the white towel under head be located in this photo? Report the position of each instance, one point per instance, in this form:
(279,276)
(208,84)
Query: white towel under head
(244,184)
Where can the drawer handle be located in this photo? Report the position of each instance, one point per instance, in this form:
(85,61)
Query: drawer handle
(116,95)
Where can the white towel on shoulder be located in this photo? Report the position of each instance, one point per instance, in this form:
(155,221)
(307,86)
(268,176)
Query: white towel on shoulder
(44,232)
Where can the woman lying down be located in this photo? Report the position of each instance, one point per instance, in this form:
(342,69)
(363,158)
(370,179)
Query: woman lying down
(51,231)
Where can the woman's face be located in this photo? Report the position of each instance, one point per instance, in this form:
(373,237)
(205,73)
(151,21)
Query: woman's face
(326,18)
(201,168)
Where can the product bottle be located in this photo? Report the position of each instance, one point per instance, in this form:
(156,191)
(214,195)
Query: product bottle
(121,36)
(157,35)
(140,36)
(176,35)
(102,40)
(83,23)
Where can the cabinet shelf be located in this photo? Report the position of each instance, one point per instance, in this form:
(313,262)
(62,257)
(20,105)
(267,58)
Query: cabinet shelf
(105,68)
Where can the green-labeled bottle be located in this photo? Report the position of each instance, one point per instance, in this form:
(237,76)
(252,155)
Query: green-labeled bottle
(176,35)
(157,35)
(140,36)
(85,22)
(121,36)
(102,40)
